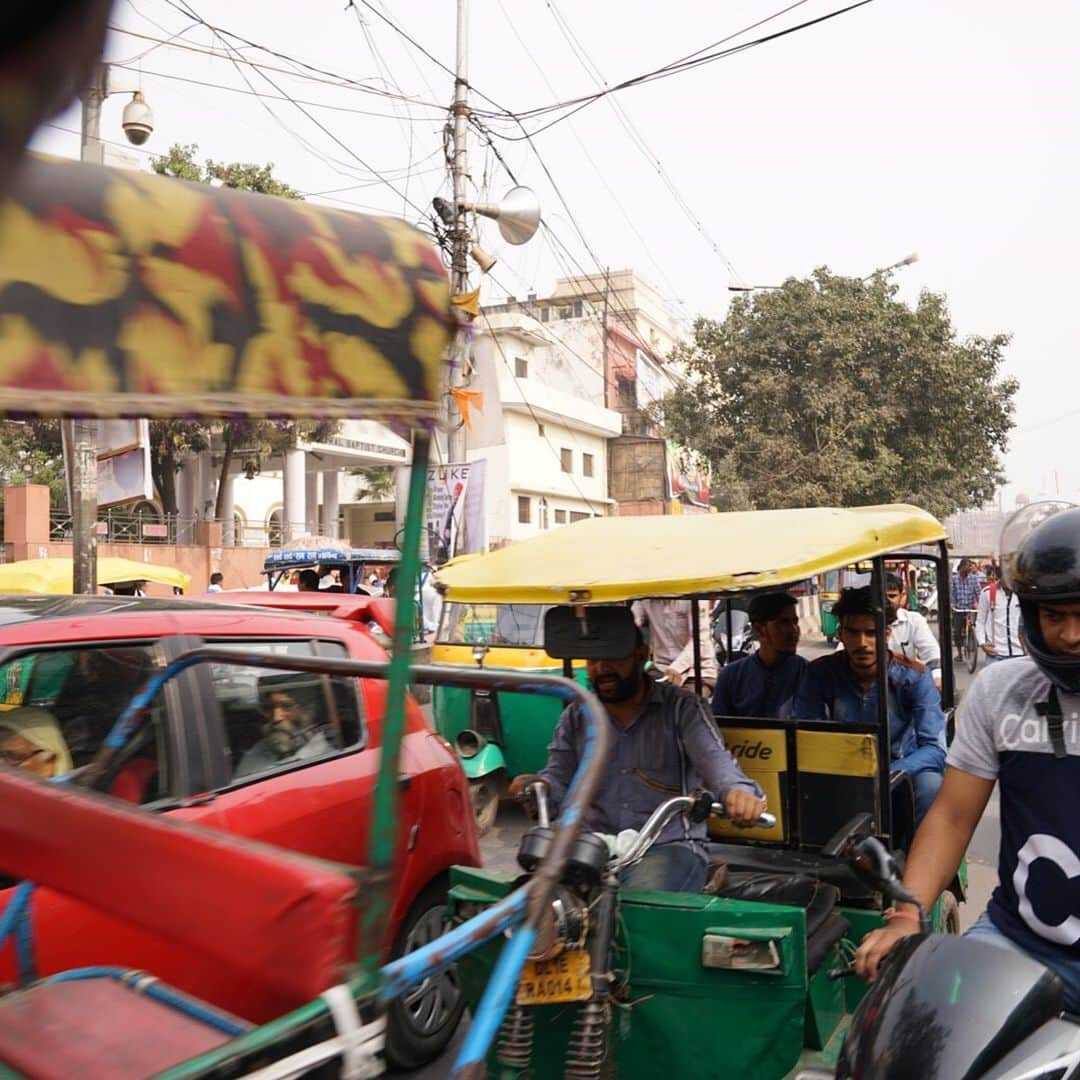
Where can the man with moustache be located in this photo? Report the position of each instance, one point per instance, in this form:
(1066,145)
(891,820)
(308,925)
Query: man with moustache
(664,744)
(843,688)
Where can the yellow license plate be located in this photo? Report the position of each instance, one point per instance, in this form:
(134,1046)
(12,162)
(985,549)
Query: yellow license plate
(549,982)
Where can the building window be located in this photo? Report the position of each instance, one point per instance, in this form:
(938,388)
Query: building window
(545,314)
(524,509)
(540,430)
(521,367)
(543,513)
(566,458)
(587,464)
(577,515)
(560,517)
(384,516)
(579,309)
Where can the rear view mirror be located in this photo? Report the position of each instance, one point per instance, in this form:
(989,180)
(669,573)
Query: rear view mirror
(600,633)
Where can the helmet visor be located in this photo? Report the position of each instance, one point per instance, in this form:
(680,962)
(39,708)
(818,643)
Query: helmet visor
(1017,529)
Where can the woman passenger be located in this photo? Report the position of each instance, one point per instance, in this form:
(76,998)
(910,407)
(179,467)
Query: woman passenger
(30,738)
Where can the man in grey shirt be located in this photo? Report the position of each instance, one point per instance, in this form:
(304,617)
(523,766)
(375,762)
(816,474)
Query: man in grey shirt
(1019,727)
(664,744)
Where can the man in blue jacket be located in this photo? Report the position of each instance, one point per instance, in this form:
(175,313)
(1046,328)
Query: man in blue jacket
(843,688)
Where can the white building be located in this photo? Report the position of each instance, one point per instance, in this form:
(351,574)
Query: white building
(306,490)
(543,430)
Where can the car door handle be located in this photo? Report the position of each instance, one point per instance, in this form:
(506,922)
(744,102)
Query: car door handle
(404,781)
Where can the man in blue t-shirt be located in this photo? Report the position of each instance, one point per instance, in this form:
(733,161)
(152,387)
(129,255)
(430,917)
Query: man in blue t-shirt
(1017,727)
(843,687)
(764,683)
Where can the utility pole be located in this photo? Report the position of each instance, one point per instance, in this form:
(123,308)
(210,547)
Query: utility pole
(459,263)
(80,433)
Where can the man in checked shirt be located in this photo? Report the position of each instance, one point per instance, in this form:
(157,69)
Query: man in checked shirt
(967,583)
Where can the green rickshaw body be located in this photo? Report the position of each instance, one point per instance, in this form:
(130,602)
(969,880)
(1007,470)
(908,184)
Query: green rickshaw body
(698,1021)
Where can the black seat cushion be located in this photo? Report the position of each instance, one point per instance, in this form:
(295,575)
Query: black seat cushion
(820,943)
(818,898)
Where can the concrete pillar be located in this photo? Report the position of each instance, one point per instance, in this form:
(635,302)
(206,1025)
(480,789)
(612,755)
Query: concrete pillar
(26,521)
(207,489)
(331,505)
(293,483)
(185,501)
(228,513)
(311,503)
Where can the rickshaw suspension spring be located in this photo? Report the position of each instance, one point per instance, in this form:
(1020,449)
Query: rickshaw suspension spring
(514,1049)
(588,1047)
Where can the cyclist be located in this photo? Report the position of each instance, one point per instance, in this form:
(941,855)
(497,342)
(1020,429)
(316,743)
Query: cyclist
(967,583)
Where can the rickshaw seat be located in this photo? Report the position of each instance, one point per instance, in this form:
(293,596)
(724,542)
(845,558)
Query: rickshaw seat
(818,898)
(824,925)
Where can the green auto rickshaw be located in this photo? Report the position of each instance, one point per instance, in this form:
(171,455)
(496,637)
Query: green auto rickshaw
(742,979)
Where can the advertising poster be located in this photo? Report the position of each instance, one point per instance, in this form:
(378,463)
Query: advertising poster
(456,518)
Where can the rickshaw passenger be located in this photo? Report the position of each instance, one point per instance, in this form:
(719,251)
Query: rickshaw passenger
(764,684)
(842,687)
(671,637)
(910,635)
(665,744)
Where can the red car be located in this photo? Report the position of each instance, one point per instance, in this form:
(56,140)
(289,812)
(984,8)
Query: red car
(277,756)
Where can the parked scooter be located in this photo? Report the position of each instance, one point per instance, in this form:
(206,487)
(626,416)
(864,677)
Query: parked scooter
(945,1007)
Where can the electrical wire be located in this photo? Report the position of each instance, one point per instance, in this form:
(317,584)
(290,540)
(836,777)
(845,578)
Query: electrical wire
(257,93)
(636,138)
(187,9)
(388,79)
(319,75)
(571,106)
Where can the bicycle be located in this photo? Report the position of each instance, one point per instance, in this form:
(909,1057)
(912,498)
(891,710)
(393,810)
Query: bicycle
(967,648)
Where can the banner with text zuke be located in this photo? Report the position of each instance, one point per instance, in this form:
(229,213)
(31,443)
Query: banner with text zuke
(127,294)
(456,519)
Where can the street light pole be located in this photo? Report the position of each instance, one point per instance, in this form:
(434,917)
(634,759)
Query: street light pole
(459,264)
(80,433)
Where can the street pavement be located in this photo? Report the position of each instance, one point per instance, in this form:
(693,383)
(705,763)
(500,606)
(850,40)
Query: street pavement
(499,848)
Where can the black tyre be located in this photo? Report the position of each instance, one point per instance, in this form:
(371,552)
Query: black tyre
(485,794)
(972,650)
(422,1022)
(950,913)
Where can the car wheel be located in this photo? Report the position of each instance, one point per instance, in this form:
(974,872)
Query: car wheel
(484,793)
(950,913)
(423,1020)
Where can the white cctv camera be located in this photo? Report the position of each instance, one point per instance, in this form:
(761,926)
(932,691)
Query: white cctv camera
(138,120)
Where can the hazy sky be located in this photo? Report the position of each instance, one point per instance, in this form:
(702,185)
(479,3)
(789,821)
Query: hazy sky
(945,127)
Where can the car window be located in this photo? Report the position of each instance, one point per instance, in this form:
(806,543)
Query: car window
(277,719)
(82,691)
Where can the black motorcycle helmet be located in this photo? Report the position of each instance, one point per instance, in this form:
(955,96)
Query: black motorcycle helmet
(1040,563)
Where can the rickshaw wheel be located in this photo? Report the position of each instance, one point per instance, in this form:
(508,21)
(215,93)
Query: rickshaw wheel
(950,913)
(485,794)
(421,1023)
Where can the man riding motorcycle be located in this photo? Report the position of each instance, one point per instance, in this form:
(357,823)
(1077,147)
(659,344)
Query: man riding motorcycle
(1011,727)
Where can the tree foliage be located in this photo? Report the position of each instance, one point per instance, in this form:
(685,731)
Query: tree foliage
(828,391)
(174,441)
(378,483)
(180,162)
(31,453)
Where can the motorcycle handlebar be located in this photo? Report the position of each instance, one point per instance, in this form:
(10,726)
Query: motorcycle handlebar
(659,818)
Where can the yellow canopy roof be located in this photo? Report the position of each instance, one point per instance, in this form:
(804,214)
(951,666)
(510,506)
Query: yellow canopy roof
(626,558)
(54,575)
